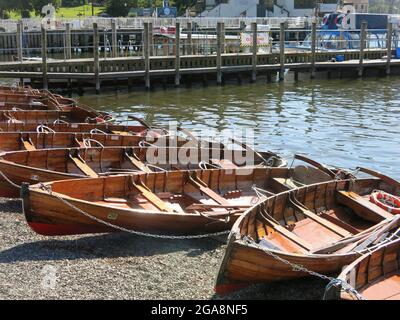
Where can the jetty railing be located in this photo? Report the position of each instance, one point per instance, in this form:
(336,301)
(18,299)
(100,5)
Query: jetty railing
(34,24)
(111,52)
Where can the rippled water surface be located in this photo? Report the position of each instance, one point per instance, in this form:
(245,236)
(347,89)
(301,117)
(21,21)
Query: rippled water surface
(346,122)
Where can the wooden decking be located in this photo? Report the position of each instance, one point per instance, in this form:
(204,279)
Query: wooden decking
(161,67)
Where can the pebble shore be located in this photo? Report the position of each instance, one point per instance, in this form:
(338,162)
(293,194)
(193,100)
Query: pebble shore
(118,266)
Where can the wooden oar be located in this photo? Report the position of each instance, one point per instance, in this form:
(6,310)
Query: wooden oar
(381,176)
(374,236)
(316,164)
(141,121)
(248,148)
(358,237)
(196,142)
(197,206)
(190,135)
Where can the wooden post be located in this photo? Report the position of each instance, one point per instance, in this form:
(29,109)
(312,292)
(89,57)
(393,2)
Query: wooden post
(151,39)
(19,40)
(44,58)
(362,47)
(189,45)
(68,41)
(223,38)
(114,46)
(177,52)
(254,52)
(96,63)
(146,54)
(220,27)
(389,46)
(313,47)
(282,51)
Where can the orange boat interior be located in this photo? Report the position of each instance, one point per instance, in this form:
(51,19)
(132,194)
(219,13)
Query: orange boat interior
(312,218)
(376,275)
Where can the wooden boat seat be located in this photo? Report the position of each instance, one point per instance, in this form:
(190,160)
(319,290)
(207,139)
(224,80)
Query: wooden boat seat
(286,183)
(293,237)
(309,175)
(326,215)
(137,163)
(81,164)
(151,197)
(322,221)
(223,163)
(121,133)
(28,144)
(202,186)
(288,234)
(362,206)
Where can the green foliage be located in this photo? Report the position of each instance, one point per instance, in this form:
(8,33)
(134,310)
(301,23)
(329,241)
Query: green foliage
(118,8)
(182,5)
(37,5)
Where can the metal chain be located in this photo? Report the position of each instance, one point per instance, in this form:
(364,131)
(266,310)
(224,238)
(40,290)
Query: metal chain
(139,233)
(299,268)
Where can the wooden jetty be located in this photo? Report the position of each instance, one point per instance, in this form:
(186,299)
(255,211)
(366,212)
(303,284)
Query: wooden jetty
(186,65)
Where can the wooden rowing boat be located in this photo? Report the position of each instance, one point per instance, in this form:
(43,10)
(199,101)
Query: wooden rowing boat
(42,100)
(321,227)
(105,128)
(51,116)
(375,275)
(11,100)
(182,202)
(14,141)
(71,163)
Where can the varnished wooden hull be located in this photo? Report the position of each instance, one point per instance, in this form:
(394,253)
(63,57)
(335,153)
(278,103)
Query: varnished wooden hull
(81,128)
(48,215)
(247,265)
(55,164)
(57,219)
(14,141)
(248,261)
(50,116)
(33,100)
(375,275)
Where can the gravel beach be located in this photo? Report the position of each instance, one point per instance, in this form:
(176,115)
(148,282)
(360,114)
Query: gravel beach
(118,266)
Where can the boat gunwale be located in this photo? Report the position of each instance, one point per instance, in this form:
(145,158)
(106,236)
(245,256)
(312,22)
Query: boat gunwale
(347,269)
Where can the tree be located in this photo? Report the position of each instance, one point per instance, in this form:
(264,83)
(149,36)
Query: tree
(118,8)
(182,5)
(37,5)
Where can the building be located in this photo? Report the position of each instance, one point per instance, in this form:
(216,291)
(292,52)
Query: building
(361,6)
(266,8)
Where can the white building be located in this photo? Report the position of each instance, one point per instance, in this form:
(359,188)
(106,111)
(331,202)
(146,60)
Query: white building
(265,8)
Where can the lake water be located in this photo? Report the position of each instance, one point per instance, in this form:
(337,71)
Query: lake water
(346,122)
